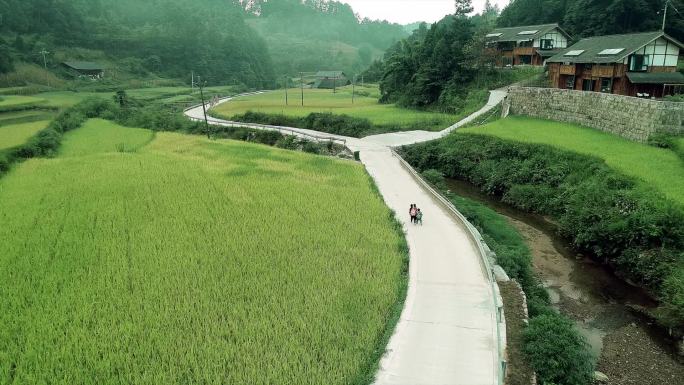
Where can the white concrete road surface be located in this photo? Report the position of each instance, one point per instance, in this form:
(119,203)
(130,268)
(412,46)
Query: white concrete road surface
(447,331)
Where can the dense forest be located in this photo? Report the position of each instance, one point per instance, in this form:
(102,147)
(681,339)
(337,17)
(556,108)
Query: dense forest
(167,37)
(582,18)
(437,65)
(312,35)
(252,42)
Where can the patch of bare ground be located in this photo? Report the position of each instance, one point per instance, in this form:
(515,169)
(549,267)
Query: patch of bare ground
(519,371)
(631,357)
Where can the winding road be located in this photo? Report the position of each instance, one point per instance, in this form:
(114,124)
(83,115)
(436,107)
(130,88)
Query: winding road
(447,333)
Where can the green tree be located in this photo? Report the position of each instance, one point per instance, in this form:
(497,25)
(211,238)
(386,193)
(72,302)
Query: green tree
(6,63)
(463,7)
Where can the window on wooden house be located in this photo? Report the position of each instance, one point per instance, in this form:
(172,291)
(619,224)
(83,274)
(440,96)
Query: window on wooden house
(546,44)
(606,85)
(639,62)
(570,82)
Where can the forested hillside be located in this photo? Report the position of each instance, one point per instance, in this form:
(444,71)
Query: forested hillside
(441,66)
(166,37)
(313,35)
(582,18)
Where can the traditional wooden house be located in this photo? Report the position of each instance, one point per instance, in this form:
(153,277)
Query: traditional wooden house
(530,44)
(637,64)
(330,79)
(85,69)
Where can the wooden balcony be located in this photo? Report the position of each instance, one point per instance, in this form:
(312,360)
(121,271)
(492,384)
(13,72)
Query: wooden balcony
(567,69)
(598,71)
(520,51)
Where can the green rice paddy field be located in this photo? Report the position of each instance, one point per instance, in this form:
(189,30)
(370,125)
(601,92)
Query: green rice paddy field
(13,135)
(656,167)
(181,260)
(316,100)
(10,103)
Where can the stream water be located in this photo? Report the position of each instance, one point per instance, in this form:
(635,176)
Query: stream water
(597,301)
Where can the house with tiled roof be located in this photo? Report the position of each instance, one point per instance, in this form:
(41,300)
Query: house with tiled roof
(85,68)
(636,64)
(330,79)
(530,44)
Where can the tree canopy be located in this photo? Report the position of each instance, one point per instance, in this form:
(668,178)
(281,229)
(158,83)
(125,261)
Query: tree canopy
(583,18)
(312,35)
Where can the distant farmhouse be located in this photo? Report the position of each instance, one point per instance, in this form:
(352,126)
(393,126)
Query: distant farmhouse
(85,69)
(637,64)
(331,79)
(530,44)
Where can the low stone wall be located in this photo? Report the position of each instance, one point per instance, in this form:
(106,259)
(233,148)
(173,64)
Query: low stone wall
(633,118)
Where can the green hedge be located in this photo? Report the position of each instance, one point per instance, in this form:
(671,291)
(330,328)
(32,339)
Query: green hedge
(326,122)
(601,212)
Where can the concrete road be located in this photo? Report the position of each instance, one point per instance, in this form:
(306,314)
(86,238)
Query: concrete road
(447,333)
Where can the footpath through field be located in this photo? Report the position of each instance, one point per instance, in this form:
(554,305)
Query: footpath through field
(447,331)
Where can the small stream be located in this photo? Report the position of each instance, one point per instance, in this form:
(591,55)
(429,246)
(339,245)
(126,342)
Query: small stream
(598,301)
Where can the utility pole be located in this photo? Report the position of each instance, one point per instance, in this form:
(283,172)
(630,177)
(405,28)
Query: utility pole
(204,106)
(47,76)
(667,2)
(353,88)
(301,83)
(287,85)
(335,84)
(192,83)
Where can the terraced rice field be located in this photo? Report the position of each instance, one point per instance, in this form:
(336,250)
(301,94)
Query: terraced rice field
(13,135)
(657,167)
(11,103)
(192,261)
(25,116)
(102,136)
(338,103)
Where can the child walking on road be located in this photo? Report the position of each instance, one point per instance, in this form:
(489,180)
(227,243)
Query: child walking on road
(419,217)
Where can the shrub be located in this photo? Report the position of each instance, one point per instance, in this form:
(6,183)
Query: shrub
(435,178)
(326,122)
(338,124)
(4,163)
(557,352)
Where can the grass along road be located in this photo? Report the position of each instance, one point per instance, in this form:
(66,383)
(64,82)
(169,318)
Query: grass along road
(325,101)
(192,260)
(657,167)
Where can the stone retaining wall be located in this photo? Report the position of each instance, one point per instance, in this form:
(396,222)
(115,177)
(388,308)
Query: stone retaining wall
(633,118)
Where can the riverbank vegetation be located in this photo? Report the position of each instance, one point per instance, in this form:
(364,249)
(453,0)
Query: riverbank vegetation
(549,344)
(602,212)
(659,168)
(215,272)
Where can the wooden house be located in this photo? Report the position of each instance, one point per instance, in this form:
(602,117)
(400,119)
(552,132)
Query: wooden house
(85,69)
(530,44)
(331,79)
(637,64)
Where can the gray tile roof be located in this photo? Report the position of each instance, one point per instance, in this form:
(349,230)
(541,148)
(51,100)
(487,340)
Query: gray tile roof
(513,33)
(592,46)
(84,65)
(330,74)
(656,77)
